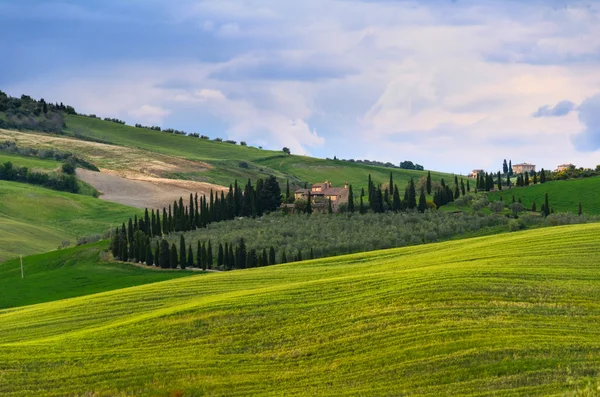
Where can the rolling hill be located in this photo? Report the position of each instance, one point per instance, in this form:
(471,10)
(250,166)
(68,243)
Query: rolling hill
(34,219)
(563,196)
(68,273)
(515,314)
(225,158)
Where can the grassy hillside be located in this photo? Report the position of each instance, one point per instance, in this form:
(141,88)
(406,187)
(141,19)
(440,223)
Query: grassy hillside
(35,219)
(70,272)
(563,195)
(33,163)
(226,158)
(456,318)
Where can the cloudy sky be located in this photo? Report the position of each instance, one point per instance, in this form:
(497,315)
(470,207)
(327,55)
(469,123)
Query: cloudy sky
(453,85)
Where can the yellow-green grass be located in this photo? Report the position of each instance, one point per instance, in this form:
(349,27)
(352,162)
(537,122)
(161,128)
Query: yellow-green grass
(225,158)
(515,314)
(34,219)
(68,273)
(563,196)
(33,163)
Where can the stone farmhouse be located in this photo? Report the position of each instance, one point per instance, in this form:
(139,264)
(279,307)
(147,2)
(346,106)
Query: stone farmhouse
(474,173)
(565,167)
(320,193)
(523,167)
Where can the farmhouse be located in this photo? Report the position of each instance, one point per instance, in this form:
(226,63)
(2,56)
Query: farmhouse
(474,173)
(320,193)
(523,167)
(565,167)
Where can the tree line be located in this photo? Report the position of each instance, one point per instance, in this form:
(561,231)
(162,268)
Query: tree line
(64,181)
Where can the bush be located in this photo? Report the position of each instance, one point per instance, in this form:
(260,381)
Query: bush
(68,168)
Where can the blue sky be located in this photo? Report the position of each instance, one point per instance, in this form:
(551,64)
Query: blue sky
(453,85)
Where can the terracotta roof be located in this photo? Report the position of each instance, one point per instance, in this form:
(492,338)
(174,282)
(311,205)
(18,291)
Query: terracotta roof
(335,191)
(302,191)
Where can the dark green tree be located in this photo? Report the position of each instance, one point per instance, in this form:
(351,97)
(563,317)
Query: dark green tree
(149,256)
(209,255)
(190,257)
(396,202)
(428,183)
(505,167)
(182,256)
(412,195)
(165,255)
(174,259)
(350,199)
(499,181)
(220,257)
(329,207)
(423,201)
(272,259)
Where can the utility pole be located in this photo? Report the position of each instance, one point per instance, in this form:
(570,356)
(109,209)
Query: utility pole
(22,275)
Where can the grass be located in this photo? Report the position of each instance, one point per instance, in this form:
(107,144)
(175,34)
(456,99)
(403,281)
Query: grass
(225,158)
(34,219)
(33,163)
(564,196)
(68,273)
(516,314)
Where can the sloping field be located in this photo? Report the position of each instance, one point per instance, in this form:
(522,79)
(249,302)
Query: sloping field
(225,158)
(33,163)
(34,219)
(564,196)
(68,273)
(516,314)
(145,192)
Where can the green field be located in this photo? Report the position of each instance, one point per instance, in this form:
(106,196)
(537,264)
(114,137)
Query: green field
(226,157)
(68,273)
(34,219)
(33,163)
(514,314)
(564,196)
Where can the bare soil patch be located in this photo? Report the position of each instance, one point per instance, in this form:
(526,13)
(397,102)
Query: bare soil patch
(143,191)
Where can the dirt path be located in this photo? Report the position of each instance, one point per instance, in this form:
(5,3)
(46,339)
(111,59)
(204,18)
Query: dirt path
(143,191)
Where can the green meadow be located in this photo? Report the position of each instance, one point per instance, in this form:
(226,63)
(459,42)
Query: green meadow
(33,163)
(34,219)
(68,273)
(563,196)
(510,315)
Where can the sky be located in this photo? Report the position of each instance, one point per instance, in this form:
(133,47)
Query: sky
(452,85)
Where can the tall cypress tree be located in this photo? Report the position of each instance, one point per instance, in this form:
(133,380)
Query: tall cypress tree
(412,195)
(350,199)
(220,257)
(272,259)
(527,179)
(284,256)
(264,258)
(287,191)
(499,181)
(423,201)
(174,259)
(396,202)
(462,186)
(533,207)
(535,178)
(505,167)
(164,255)
(242,255)
(510,169)
(190,257)
(329,207)
(468,186)
(182,251)
(209,256)
(232,263)
(361,209)
(428,184)
(308,209)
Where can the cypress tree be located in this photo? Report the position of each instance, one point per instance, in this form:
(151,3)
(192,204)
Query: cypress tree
(428,184)
(396,202)
(510,169)
(190,257)
(130,231)
(157,254)
(456,192)
(199,263)
(272,259)
(412,195)
(220,257)
(264,258)
(546,207)
(242,254)
(542,176)
(287,191)
(423,201)
(370,188)
(499,181)
(283,257)
(462,187)
(468,186)
(174,259)
(252,259)
(226,258)
(505,167)
(361,209)
(146,228)
(390,186)
(165,255)
(386,197)
(527,179)
(508,180)
(157,228)
(308,205)
(232,263)
(165,220)
(350,199)
(329,207)
(182,257)
(299,255)
(209,255)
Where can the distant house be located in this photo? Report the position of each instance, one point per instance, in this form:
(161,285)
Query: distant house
(523,167)
(565,167)
(320,193)
(474,173)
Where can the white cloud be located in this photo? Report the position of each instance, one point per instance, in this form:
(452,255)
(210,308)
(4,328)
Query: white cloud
(149,114)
